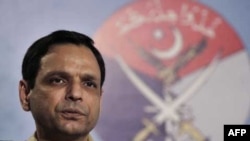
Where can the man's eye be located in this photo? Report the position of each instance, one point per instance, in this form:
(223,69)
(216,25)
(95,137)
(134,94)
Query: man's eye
(90,84)
(57,81)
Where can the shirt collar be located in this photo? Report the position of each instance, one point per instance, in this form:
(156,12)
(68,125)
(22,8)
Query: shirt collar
(33,138)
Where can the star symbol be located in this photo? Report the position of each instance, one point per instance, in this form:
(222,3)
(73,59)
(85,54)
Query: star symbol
(158,34)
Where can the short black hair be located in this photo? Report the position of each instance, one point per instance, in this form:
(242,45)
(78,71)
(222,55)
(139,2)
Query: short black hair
(32,59)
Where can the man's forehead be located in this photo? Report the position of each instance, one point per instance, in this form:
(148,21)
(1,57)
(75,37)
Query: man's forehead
(72,51)
(69,57)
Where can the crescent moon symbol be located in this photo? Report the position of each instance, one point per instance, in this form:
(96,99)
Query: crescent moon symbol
(172,51)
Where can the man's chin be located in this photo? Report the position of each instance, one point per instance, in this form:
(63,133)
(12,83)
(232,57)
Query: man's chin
(73,129)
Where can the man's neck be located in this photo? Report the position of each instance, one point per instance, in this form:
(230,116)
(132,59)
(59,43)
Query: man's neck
(57,137)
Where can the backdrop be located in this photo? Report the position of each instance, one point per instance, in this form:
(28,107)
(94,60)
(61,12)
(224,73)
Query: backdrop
(176,70)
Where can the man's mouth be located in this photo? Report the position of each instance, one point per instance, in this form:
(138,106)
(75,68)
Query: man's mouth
(72,114)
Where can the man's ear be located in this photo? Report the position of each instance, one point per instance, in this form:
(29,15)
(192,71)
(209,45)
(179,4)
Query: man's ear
(24,91)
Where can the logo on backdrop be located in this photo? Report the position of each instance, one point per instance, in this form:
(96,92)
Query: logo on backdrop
(166,41)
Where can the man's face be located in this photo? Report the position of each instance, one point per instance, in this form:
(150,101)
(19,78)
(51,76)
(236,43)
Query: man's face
(67,92)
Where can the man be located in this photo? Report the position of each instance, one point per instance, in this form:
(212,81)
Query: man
(63,74)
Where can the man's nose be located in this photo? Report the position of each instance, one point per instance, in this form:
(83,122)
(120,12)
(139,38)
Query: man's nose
(74,92)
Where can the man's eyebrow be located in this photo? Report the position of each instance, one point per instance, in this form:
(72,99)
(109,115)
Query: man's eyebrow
(87,77)
(59,73)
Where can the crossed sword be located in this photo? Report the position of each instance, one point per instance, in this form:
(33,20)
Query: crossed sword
(168,111)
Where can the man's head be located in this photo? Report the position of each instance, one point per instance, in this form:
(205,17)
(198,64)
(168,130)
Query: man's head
(38,49)
(63,74)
